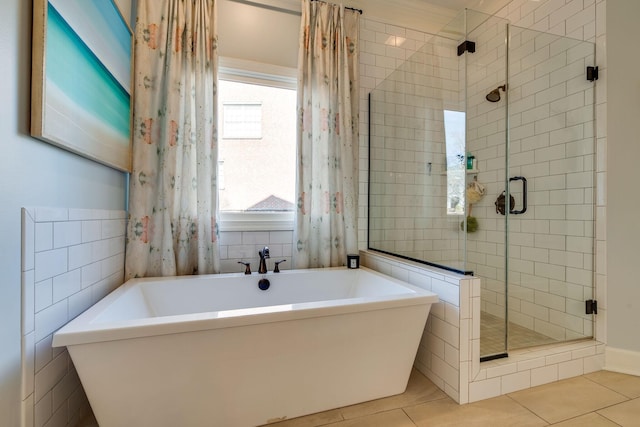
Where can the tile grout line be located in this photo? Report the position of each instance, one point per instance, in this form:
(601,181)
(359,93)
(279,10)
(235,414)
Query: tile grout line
(602,415)
(578,416)
(611,406)
(609,388)
(409,416)
(527,409)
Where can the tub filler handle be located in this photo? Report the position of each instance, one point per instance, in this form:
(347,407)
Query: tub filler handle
(276,269)
(247,267)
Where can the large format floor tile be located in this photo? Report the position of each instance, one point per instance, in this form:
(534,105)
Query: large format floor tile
(592,419)
(566,399)
(419,390)
(395,418)
(621,383)
(626,414)
(600,399)
(500,411)
(313,420)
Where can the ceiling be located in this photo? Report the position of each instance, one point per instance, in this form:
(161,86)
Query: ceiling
(425,15)
(249,32)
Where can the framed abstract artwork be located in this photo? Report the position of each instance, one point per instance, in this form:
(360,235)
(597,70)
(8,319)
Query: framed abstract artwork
(81,79)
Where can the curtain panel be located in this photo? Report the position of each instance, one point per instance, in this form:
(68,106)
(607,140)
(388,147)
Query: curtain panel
(328,102)
(173,198)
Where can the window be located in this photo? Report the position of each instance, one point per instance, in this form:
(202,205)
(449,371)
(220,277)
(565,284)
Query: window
(257,147)
(454,129)
(241,121)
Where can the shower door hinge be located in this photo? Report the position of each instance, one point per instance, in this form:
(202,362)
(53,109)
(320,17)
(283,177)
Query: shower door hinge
(592,73)
(466,46)
(591,306)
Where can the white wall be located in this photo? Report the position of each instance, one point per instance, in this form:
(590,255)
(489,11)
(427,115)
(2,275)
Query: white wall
(623,204)
(258,34)
(126,8)
(32,173)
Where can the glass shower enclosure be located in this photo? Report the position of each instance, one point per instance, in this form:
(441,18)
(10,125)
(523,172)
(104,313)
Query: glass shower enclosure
(482,161)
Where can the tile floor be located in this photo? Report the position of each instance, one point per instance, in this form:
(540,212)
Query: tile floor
(600,399)
(492,334)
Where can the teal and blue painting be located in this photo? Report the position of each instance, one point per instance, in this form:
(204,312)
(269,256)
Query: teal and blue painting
(87,71)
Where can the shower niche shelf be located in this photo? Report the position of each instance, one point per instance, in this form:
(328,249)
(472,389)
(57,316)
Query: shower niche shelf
(468,171)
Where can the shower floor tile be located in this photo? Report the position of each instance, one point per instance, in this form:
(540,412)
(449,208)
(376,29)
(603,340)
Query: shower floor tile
(492,336)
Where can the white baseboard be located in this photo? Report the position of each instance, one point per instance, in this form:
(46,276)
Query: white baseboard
(623,361)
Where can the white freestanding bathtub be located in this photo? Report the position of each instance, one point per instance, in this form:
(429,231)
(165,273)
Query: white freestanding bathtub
(217,351)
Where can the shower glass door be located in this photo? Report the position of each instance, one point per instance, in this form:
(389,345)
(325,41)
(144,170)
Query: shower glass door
(551,171)
(530,127)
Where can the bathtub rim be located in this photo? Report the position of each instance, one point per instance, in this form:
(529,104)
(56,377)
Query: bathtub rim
(82,330)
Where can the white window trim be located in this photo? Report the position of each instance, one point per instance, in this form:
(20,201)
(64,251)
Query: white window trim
(243,71)
(256,221)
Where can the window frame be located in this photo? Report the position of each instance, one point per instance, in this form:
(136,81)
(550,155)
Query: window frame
(243,71)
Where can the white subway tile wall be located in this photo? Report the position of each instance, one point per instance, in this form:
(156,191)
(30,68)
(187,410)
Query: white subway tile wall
(71,258)
(439,353)
(243,246)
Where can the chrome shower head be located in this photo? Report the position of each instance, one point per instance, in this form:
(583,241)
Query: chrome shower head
(494,95)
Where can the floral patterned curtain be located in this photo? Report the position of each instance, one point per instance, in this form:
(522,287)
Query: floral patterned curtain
(172,217)
(327,181)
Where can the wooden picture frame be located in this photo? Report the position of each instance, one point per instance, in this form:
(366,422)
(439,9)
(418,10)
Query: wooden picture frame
(81,86)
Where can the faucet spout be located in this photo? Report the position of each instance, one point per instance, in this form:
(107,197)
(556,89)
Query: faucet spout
(264,254)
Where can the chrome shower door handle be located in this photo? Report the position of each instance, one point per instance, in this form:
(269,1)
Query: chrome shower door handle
(524,194)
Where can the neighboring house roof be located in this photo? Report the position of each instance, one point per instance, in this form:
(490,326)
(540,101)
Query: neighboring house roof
(272,203)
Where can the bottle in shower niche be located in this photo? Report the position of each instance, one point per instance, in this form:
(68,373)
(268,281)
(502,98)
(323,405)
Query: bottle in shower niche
(471,161)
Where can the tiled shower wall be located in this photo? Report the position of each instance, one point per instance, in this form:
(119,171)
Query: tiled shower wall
(71,258)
